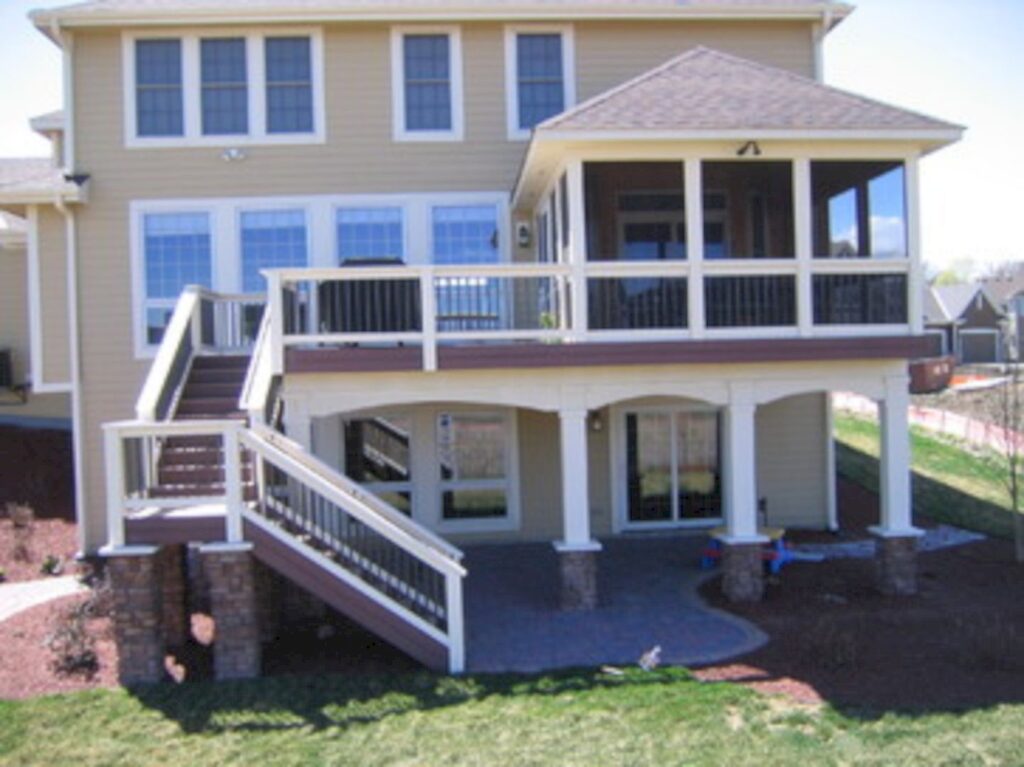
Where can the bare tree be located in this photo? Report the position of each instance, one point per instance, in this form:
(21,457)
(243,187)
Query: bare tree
(1007,412)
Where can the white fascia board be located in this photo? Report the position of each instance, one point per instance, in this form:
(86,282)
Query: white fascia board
(49,19)
(942,135)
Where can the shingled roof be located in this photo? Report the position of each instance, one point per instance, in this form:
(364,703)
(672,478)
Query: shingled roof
(707,90)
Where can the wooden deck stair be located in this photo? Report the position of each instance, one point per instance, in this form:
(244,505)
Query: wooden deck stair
(194,466)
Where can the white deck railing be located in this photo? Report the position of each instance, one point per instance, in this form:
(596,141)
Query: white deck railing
(429,306)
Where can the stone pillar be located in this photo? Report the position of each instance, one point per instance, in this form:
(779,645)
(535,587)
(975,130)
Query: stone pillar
(230,572)
(742,572)
(176,622)
(896,563)
(138,614)
(577,551)
(578,570)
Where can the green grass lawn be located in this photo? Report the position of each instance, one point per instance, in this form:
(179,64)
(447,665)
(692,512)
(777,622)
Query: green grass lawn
(950,484)
(576,718)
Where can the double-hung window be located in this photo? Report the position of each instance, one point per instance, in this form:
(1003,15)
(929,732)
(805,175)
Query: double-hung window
(223,89)
(159,104)
(225,98)
(539,76)
(427,84)
(468,234)
(370,235)
(177,250)
(271,239)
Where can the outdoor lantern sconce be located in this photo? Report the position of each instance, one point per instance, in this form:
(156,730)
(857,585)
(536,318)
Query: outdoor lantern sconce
(751,147)
(596,421)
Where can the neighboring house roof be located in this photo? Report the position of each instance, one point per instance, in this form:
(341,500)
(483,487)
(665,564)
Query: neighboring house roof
(934,311)
(122,11)
(25,180)
(706,90)
(954,300)
(51,122)
(1007,284)
(13,230)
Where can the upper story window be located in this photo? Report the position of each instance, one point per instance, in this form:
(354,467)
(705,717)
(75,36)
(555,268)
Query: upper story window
(539,75)
(426,69)
(223,90)
(159,107)
(225,99)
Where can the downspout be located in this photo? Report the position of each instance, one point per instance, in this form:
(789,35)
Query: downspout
(818,33)
(71,248)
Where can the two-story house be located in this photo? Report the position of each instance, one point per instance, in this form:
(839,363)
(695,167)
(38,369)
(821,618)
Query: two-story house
(357,284)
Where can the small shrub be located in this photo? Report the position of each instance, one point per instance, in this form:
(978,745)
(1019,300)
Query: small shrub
(52,565)
(72,646)
(3,575)
(23,521)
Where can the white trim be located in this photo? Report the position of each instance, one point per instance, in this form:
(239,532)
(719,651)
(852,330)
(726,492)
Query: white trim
(567,32)
(398,123)
(191,89)
(319,211)
(831,501)
(915,135)
(67,76)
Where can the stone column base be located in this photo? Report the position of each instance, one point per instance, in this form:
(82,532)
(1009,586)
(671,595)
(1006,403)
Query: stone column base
(230,573)
(896,563)
(578,571)
(138,617)
(743,572)
(176,622)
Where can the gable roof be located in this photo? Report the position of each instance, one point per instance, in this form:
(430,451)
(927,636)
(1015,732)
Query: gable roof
(26,180)
(954,300)
(13,230)
(1007,283)
(114,12)
(707,90)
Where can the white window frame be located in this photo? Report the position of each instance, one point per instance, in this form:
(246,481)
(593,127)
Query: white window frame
(620,481)
(321,232)
(256,88)
(408,486)
(399,131)
(512,31)
(401,207)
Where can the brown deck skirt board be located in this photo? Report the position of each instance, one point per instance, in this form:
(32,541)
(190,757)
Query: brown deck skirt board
(492,356)
(165,530)
(346,600)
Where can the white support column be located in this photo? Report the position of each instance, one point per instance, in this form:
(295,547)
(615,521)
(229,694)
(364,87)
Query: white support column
(297,423)
(275,305)
(577,247)
(740,469)
(915,279)
(895,502)
(456,630)
(113,459)
(694,196)
(428,320)
(233,486)
(575,489)
(804,240)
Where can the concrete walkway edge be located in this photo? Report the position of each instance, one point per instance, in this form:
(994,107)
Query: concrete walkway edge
(18,597)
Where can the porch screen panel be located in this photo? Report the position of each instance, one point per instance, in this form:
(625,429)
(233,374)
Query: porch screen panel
(225,92)
(745,302)
(289,85)
(748,210)
(428,94)
(859,209)
(159,101)
(473,455)
(177,252)
(860,299)
(540,77)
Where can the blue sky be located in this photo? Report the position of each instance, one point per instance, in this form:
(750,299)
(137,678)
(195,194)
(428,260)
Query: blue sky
(957,60)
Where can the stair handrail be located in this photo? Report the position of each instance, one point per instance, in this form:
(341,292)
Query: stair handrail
(357,500)
(259,377)
(173,359)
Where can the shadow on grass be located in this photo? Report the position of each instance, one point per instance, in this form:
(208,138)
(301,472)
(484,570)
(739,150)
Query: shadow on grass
(338,702)
(938,501)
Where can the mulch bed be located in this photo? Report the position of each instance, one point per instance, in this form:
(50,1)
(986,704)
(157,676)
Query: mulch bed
(48,537)
(958,643)
(25,663)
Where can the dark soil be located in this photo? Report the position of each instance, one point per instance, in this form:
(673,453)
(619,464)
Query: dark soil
(958,643)
(36,470)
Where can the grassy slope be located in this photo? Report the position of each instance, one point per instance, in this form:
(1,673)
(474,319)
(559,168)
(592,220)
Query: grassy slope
(575,718)
(950,485)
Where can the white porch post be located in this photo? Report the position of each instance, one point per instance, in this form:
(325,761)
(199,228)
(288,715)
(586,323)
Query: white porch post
(896,510)
(577,551)
(694,197)
(575,490)
(740,469)
(297,423)
(577,247)
(802,223)
(915,279)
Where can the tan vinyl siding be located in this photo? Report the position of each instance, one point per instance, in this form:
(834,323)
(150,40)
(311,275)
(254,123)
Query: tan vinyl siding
(53,289)
(792,471)
(14,335)
(358,157)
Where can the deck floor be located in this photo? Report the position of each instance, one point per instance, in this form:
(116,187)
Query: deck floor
(648,596)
